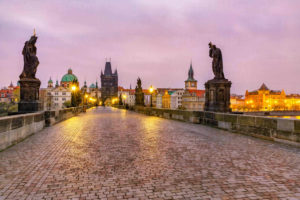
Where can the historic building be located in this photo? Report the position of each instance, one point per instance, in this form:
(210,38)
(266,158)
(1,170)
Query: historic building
(10,94)
(53,98)
(192,98)
(128,96)
(67,79)
(265,99)
(237,102)
(191,83)
(109,84)
(176,99)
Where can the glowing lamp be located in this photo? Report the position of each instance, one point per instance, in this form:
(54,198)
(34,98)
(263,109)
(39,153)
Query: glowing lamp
(151,89)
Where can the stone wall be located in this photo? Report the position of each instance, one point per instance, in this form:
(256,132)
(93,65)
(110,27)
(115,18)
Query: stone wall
(53,117)
(275,129)
(16,128)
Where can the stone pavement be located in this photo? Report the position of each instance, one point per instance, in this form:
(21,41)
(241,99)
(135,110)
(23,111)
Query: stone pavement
(115,154)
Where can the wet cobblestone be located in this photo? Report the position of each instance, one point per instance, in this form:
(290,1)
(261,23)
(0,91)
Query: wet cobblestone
(115,154)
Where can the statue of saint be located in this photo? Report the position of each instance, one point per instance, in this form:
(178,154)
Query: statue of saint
(31,61)
(217,62)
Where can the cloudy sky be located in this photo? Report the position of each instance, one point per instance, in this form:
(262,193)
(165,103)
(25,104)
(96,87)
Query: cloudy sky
(156,40)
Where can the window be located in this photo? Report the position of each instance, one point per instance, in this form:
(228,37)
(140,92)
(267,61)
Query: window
(56,93)
(64,99)
(63,93)
(55,99)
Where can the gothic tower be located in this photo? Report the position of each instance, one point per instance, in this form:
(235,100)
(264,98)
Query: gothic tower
(191,83)
(109,83)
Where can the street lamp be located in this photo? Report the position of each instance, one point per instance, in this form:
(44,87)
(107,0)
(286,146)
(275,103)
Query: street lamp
(73,88)
(151,89)
(124,98)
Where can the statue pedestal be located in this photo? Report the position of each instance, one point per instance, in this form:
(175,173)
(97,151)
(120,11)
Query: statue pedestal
(29,95)
(217,95)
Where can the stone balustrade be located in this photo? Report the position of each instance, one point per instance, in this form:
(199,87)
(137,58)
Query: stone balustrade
(16,128)
(275,129)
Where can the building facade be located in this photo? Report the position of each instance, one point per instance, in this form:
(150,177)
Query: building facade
(192,98)
(109,84)
(265,99)
(10,94)
(67,79)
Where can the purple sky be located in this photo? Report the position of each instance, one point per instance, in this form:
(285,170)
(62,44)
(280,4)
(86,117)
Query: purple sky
(156,40)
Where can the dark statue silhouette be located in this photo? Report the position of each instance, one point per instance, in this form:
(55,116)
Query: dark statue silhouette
(217,90)
(29,84)
(217,62)
(31,61)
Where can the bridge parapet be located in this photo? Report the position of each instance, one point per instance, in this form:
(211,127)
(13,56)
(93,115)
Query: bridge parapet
(275,129)
(16,128)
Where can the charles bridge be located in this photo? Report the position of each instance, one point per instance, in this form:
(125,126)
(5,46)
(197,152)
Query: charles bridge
(109,153)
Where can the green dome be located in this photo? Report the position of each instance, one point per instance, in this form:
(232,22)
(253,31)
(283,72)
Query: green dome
(50,81)
(92,85)
(69,77)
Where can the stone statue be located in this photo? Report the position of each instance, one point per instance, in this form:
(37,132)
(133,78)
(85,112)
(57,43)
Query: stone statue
(217,63)
(31,61)
(29,84)
(139,95)
(217,90)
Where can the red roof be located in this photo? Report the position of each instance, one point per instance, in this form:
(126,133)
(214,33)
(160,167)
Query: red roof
(199,93)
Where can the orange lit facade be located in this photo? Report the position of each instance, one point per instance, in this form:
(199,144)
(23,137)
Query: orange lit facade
(265,99)
(166,100)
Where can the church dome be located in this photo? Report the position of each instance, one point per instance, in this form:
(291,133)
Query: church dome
(50,80)
(92,85)
(69,77)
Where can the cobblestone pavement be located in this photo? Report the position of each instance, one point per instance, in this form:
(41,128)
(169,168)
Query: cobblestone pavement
(116,154)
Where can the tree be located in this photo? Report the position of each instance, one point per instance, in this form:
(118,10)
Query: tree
(120,100)
(67,104)
(76,96)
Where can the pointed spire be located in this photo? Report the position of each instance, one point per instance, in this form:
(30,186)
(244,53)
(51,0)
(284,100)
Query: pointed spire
(56,84)
(50,80)
(107,70)
(97,84)
(191,72)
(263,87)
(130,86)
(116,71)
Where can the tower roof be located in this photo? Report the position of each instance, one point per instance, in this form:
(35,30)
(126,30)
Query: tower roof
(50,80)
(107,70)
(191,74)
(263,87)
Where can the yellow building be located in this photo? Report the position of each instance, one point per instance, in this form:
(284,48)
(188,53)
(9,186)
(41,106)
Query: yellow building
(265,99)
(166,100)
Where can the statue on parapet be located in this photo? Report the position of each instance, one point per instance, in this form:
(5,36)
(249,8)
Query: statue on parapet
(217,62)
(31,61)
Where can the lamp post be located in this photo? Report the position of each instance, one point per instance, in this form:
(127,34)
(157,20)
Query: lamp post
(124,99)
(151,91)
(86,98)
(74,98)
